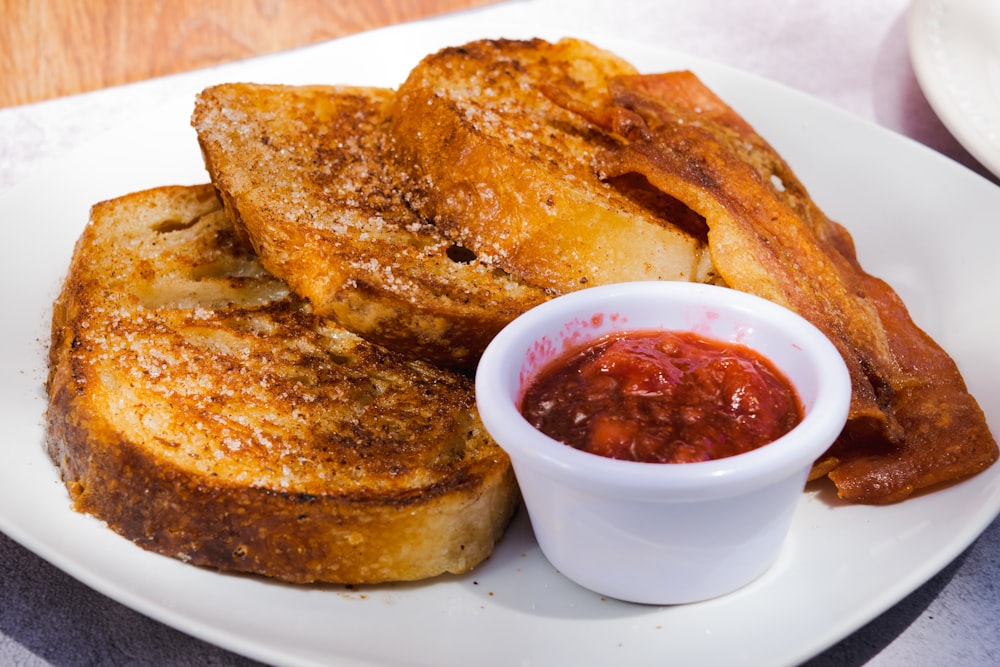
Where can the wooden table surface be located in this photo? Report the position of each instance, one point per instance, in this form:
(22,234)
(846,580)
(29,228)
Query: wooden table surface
(51,48)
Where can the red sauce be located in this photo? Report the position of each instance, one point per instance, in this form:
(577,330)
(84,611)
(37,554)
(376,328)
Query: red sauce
(662,397)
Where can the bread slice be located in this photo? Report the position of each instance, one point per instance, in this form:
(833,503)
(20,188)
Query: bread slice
(203,411)
(505,171)
(302,170)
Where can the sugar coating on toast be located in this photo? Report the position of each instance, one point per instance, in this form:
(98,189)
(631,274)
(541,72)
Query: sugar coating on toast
(202,410)
(303,171)
(504,170)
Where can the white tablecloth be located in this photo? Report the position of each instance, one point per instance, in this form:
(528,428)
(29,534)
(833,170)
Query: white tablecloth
(851,53)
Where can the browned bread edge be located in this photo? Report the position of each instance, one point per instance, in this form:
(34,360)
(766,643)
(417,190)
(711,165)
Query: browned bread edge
(171,497)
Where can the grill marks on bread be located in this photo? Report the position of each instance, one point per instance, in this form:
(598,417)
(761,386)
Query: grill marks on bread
(204,411)
(303,170)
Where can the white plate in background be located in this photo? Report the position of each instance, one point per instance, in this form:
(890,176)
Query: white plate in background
(955,50)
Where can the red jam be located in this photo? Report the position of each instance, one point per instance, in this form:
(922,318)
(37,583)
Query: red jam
(662,397)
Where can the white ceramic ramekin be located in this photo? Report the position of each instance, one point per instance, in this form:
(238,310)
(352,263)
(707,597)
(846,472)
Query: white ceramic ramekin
(651,532)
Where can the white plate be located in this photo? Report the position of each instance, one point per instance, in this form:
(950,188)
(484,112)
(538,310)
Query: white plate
(842,566)
(955,50)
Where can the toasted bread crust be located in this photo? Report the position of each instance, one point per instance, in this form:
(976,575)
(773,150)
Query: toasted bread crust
(507,172)
(301,169)
(203,411)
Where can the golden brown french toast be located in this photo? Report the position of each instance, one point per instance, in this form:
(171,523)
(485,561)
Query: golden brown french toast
(203,411)
(505,171)
(302,170)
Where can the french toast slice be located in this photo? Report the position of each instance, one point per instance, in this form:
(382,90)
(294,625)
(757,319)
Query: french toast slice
(203,411)
(507,172)
(302,170)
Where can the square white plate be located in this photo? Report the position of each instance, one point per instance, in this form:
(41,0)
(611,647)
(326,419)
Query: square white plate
(925,224)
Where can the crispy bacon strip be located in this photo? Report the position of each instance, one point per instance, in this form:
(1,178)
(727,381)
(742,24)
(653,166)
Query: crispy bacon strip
(913,424)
